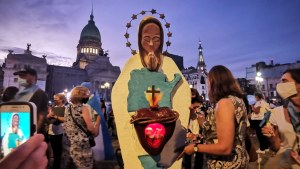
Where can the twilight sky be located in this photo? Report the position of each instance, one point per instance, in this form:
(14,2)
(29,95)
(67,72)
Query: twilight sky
(234,33)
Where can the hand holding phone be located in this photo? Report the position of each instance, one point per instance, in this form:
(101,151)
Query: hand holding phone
(31,154)
(17,124)
(265,119)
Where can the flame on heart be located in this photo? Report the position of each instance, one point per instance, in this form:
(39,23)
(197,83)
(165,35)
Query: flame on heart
(153,102)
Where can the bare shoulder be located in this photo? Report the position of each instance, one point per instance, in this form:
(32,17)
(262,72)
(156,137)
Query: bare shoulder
(225,105)
(85,107)
(225,102)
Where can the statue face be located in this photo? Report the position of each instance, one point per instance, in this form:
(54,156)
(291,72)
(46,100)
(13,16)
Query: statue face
(151,41)
(151,38)
(15,121)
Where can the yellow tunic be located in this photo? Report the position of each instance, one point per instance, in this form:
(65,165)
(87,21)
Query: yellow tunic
(129,143)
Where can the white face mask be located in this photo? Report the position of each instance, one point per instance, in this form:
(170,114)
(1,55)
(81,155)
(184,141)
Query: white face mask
(22,82)
(286,90)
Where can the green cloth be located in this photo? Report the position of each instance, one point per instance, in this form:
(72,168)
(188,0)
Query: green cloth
(142,80)
(149,162)
(12,140)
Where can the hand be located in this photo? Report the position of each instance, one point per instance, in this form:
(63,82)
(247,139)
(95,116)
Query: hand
(31,154)
(50,114)
(190,136)
(97,131)
(268,130)
(189,149)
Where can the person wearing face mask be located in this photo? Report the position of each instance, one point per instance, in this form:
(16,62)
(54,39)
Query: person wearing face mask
(284,128)
(103,149)
(30,92)
(196,120)
(56,129)
(78,125)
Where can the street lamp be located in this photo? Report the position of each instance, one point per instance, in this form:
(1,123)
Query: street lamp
(259,80)
(65,91)
(106,86)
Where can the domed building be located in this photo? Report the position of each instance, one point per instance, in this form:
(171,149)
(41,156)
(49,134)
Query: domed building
(89,47)
(92,59)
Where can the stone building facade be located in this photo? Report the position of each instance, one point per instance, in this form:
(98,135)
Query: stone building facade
(270,74)
(16,62)
(92,64)
(63,79)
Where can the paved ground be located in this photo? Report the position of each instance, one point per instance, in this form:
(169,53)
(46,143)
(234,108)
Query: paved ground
(114,164)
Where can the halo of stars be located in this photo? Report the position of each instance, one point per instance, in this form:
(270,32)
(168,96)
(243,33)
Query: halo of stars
(153,12)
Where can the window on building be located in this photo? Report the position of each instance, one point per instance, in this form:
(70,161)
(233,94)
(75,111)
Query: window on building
(81,50)
(202,80)
(263,87)
(203,87)
(271,86)
(15,79)
(96,51)
(91,50)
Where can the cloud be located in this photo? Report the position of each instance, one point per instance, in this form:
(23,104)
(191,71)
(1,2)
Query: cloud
(52,58)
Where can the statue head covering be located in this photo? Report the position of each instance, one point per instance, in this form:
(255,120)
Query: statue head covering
(143,23)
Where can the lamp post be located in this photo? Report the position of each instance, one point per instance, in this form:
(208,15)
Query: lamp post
(65,92)
(106,86)
(259,80)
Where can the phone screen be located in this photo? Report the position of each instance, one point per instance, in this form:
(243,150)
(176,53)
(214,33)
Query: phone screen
(15,122)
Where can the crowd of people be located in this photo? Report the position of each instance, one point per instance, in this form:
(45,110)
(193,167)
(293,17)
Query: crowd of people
(216,133)
(75,130)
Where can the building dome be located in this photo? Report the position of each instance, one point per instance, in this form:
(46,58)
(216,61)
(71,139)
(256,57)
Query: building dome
(90,31)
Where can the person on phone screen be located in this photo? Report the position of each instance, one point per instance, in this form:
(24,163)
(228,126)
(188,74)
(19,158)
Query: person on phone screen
(13,136)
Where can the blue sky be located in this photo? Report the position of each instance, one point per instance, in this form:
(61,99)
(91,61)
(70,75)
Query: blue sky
(235,33)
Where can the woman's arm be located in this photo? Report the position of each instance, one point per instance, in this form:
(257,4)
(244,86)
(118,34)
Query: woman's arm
(225,131)
(88,121)
(256,110)
(61,119)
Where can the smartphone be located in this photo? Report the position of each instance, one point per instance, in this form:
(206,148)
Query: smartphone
(17,123)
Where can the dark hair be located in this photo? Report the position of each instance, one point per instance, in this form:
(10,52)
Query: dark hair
(259,95)
(102,101)
(9,93)
(222,84)
(295,73)
(197,97)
